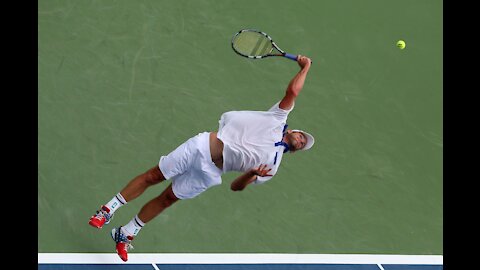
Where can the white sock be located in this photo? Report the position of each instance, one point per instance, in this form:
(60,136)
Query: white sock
(116,202)
(133,227)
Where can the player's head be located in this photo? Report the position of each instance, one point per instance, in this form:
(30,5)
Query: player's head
(299,140)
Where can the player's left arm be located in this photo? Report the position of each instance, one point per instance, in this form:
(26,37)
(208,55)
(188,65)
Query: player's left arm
(241,182)
(296,84)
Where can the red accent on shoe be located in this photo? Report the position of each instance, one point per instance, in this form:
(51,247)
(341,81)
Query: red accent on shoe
(99,219)
(122,249)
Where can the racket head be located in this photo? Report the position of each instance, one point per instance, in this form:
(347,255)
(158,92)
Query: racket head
(254,44)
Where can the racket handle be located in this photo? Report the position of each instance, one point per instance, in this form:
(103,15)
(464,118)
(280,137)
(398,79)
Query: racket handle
(291,56)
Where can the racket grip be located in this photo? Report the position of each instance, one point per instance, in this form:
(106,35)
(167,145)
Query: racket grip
(291,56)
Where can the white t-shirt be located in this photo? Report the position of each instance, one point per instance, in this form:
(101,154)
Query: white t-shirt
(249,139)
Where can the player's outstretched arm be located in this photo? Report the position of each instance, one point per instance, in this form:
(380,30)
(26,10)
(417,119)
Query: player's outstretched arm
(296,84)
(248,177)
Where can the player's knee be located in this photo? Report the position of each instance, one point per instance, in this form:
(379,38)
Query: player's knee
(154,176)
(167,203)
(168,200)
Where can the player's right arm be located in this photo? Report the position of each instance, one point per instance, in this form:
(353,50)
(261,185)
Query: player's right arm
(249,177)
(296,84)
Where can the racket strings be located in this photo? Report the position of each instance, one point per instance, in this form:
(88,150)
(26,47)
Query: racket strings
(257,45)
(267,48)
(252,44)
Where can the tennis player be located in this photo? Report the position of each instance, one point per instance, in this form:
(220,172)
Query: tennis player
(251,142)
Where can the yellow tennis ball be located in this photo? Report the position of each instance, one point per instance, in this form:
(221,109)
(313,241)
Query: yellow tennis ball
(401,44)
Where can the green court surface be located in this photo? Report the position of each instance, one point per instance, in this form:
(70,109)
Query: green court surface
(123,82)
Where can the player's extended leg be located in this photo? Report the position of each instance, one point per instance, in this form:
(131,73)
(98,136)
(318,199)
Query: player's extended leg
(125,234)
(131,191)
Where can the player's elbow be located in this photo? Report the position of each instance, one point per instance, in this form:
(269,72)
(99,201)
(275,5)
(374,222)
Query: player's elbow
(236,187)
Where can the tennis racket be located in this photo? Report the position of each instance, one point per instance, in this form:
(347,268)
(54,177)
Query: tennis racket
(256,44)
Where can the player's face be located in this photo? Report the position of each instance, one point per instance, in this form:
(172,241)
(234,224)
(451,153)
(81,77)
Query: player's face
(297,141)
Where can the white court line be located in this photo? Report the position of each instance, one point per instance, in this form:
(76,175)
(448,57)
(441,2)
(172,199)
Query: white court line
(155,266)
(237,258)
(380,266)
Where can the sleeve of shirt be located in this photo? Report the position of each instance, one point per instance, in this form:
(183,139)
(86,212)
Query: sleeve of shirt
(279,112)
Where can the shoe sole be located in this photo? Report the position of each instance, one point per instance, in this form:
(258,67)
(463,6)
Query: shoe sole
(95,226)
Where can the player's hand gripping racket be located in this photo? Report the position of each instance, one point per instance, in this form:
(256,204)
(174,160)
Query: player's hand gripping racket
(256,44)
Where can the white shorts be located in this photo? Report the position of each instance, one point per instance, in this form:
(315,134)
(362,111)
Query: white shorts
(190,167)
